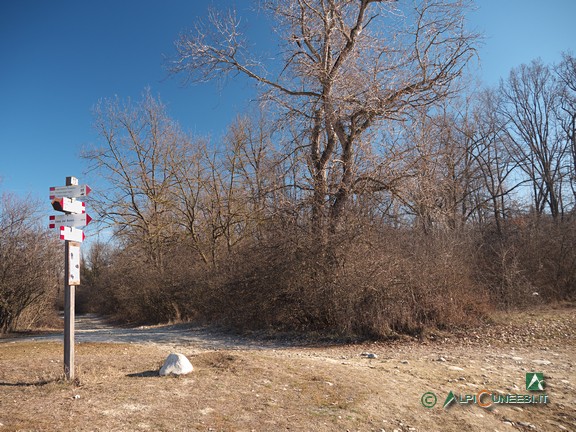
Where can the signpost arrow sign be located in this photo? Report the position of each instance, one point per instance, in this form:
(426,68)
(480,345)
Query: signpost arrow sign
(71,234)
(74,191)
(68,205)
(71,220)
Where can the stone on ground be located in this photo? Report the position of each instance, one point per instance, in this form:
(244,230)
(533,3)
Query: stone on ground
(176,364)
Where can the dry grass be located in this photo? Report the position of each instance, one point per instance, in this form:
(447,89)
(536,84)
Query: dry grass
(321,389)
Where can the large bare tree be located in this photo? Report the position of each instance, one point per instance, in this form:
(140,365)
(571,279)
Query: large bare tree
(345,67)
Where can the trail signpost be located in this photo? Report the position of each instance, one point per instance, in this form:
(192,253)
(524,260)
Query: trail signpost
(63,199)
(72,191)
(70,220)
(71,234)
(68,205)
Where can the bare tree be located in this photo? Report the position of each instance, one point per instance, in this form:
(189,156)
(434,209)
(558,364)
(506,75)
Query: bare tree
(566,72)
(530,100)
(29,264)
(166,188)
(491,155)
(442,178)
(346,66)
(139,145)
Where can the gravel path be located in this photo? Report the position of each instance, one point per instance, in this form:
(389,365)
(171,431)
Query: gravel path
(93,328)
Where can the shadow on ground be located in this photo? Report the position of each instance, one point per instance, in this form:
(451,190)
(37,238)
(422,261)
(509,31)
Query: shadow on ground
(145,374)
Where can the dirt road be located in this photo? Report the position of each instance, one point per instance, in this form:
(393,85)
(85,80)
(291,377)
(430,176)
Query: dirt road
(94,329)
(242,384)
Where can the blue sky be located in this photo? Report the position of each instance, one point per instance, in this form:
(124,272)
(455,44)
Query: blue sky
(58,58)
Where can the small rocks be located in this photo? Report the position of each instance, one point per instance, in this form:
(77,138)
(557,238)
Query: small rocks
(455,368)
(206,411)
(369,355)
(527,425)
(441,359)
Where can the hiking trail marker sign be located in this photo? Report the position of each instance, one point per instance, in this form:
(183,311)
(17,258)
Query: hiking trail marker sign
(63,199)
(70,220)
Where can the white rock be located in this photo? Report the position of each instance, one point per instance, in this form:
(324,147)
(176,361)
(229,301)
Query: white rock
(455,368)
(176,364)
(542,362)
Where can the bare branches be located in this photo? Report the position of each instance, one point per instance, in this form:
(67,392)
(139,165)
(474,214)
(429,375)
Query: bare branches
(530,99)
(347,67)
(218,49)
(28,267)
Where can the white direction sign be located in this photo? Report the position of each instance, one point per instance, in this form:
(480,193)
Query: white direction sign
(74,264)
(71,220)
(68,205)
(75,191)
(71,234)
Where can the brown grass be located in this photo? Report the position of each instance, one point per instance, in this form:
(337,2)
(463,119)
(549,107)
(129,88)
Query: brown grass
(321,389)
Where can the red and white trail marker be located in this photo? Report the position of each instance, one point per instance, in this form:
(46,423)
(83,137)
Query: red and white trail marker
(71,220)
(74,191)
(71,234)
(68,205)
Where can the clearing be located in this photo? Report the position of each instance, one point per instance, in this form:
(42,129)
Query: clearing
(253,384)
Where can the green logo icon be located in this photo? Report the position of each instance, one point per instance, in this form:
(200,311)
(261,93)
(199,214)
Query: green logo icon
(428,400)
(535,381)
(449,399)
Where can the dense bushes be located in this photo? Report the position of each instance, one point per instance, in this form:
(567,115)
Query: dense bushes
(372,285)
(375,282)
(532,261)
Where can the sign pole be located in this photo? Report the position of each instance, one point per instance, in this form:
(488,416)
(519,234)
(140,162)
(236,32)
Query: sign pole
(69,303)
(63,200)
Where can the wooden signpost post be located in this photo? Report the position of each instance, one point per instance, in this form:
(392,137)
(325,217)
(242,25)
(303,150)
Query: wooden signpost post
(64,200)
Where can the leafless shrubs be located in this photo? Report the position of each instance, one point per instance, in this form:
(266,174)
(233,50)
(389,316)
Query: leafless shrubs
(29,267)
(530,262)
(376,283)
